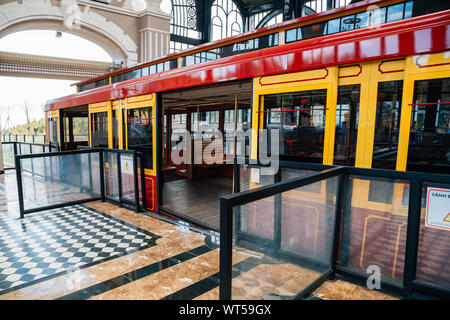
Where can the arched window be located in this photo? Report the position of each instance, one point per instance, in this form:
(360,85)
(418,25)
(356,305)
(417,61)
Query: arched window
(264,19)
(226,19)
(184,18)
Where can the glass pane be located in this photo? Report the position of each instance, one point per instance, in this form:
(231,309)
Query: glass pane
(291,173)
(395,12)
(53,130)
(61,179)
(433,252)
(408,10)
(377,16)
(334,26)
(127,176)
(314,30)
(429,138)
(251,178)
(347,115)
(8,155)
(99,129)
(362,20)
(348,23)
(291,35)
(387,124)
(374,228)
(300,117)
(282,243)
(139,133)
(111,175)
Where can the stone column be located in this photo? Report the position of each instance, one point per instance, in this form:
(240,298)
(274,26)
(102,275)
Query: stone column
(154,32)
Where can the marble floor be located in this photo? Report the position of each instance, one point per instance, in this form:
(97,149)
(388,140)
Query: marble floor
(146,257)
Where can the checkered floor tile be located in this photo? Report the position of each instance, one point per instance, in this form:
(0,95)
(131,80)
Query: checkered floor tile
(48,243)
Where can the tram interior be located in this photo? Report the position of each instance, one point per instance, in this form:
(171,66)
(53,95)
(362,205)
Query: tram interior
(198,137)
(75,127)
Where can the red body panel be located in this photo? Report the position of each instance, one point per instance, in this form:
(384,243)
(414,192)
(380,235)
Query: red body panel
(424,34)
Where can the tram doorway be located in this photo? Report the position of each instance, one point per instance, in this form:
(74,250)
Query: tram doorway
(74,127)
(198,147)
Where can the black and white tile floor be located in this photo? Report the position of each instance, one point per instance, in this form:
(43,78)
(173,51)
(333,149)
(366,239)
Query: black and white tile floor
(49,243)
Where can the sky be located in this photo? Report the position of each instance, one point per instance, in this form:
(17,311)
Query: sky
(15,90)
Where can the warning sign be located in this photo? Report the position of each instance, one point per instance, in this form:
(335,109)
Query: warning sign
(126,164)
(438,208)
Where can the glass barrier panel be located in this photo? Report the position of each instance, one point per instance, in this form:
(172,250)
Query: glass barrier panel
(59,179)
(111,175)
(433,254)
(307,220)
(298,251)
(127,175)
(251,177)
(375,217)
(8,155)
(291,173)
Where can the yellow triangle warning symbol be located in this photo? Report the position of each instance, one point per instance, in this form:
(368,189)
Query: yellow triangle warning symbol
(447,218)
(126,167)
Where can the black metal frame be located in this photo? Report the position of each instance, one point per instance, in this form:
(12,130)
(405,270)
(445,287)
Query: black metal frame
(137,158)
(410,287)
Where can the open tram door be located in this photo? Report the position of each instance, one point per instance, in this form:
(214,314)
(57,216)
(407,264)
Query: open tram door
(197,139)
(52,129)
(74,127)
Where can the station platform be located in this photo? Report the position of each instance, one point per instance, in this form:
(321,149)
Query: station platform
(99,250)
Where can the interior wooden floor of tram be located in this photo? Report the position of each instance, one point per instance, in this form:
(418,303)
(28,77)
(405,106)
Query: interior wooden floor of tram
(193,182)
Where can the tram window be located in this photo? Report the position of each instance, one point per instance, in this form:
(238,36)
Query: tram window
(314,30)
(429,138)
(80,129)
(152,69)
(378,16)
(387,124)
(333,26)
(99,129)
(291,35)
(348,23)
(346,125)
(300,117)
(242,124)
(362,20)
(139,133)
(408,10)
(53,130)
(395,12)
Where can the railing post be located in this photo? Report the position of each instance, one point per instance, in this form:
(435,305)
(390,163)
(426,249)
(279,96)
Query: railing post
(412,236)
(31,160)
(19,185)
(226,247)
(135,179)
(143,191)
(102,174)
(119,179)
(278,203)
(340,196)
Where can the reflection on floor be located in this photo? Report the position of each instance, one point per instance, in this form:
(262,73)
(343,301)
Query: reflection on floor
(198,199)
(101,251)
